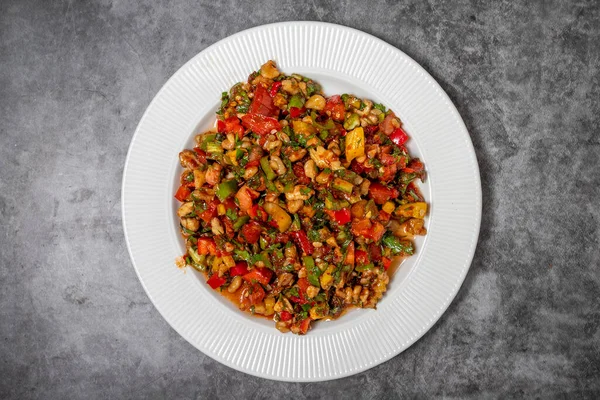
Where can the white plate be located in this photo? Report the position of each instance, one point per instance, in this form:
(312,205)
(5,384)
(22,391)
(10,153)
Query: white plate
(343,60)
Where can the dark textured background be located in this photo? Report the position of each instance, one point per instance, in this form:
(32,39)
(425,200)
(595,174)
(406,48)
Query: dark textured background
(75,78)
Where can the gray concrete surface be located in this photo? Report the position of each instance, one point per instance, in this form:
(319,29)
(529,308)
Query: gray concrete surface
(75,78)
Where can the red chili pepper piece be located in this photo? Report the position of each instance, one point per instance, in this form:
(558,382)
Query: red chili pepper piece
(302,241)
(342,216)
(274,88)
(398,136)
(215,282)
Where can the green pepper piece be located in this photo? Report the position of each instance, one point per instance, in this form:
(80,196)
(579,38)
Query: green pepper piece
(362,268)
(342,185)
(226,189)
(264,164)
(313,272)
(237,225)
(214,147)
(296,101)
(351,122)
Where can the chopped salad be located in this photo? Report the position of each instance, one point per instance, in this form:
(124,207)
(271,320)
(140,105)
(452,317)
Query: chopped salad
(296,205)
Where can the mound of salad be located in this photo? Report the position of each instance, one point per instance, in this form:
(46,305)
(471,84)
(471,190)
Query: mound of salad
(297,204)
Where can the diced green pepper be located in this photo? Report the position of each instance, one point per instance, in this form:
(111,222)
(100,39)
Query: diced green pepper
(214,148)
(237,225)
(226,189)
(313,272)
(264,164)
(351,122)
(362,268)
(296,101)
(342,185)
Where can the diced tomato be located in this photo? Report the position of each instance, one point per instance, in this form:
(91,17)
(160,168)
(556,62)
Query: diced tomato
(215,282)
(377,232)
(274,88)
(360,168)
(304,326)
(261,275)
(282,238)
(389,172)
(295,112)
(415,165)
(240,268)
(362,257)
(380,193)
(210,212)
(200,155)
(386,263)
(302,241)
(182,193)
(370,130)
(387,159)
(220,126)
(244,198)
(398,136)
(262,103)
(251,232)
(232,125)
(207,246)
(335,108)
(298,169)
(260,124)
(257,295)
(350,256)
(285,316)
(258,213)
(383,216)
(342,216)
(374,252)
(303,284)
(253,163)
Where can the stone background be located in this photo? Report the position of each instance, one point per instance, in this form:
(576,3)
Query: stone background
(75,78)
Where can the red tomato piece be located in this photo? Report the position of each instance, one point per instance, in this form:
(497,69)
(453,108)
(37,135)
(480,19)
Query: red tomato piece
(261,275)
(342,216)
(362,257)
(207,246)
(380,193)
(260,124)
(210,212)
(285,316)
(304,326)
(232,125)
(251,232)
(262,103)
(303,284)
(298,169)
(182,193)
(257,295)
